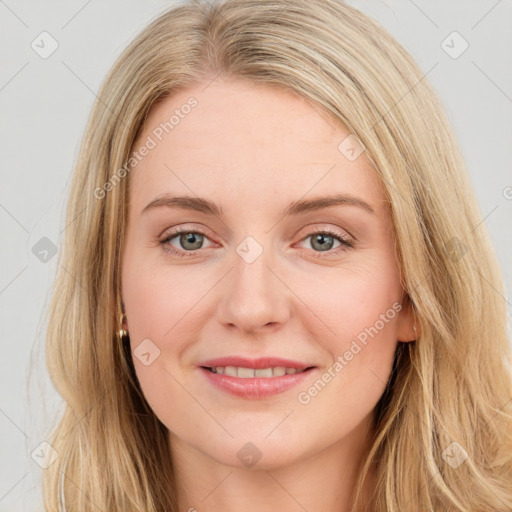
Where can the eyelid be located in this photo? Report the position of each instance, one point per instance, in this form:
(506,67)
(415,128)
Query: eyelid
(178,228)
(328,228)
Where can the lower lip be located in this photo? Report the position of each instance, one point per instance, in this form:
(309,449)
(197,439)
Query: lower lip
(257,387)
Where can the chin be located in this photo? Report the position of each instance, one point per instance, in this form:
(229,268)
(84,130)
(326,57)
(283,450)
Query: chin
(248,451)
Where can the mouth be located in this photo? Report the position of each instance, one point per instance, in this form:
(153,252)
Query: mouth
(255,379)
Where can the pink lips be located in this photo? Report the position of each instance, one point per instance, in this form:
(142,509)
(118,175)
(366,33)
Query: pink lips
(257,387)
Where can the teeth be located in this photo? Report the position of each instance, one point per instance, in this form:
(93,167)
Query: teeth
(231,371)
(279,371)
(260,372)
(250,373)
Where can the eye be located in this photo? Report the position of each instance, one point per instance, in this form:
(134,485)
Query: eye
(190,241)
(322,241)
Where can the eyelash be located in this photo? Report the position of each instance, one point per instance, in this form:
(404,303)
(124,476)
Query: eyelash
(346,242)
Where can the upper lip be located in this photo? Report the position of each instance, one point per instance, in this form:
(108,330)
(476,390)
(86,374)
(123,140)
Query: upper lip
(261,362)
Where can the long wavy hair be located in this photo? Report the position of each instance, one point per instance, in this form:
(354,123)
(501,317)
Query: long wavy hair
(449,395)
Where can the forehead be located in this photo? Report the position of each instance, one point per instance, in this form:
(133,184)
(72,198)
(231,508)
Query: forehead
(250,139)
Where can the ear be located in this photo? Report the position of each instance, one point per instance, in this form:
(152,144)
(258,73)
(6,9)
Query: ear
(407,327)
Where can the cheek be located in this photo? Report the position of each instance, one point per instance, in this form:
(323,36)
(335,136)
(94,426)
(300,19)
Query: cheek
(355,321)
(347,302)
(160,298)
(361,352)
(160,323)
(162,306)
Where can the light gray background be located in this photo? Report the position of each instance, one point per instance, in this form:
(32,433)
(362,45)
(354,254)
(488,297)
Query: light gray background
(44,106)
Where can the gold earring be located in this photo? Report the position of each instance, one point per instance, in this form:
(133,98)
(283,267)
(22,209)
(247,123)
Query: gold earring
(122,334)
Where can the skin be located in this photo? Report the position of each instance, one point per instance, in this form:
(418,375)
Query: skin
(254,149)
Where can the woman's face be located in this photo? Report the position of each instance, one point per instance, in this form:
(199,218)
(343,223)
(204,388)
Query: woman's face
(278,278)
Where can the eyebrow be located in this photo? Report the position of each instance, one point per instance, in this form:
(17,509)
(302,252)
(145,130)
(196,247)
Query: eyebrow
(296,208)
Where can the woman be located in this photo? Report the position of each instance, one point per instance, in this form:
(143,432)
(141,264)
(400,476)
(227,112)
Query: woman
(276,290)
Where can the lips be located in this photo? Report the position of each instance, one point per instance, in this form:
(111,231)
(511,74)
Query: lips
(255,378)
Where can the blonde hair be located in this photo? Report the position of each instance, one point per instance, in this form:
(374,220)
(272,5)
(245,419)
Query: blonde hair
(452,385)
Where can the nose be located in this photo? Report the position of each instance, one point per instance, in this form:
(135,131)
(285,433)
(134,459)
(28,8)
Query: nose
(254,296)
